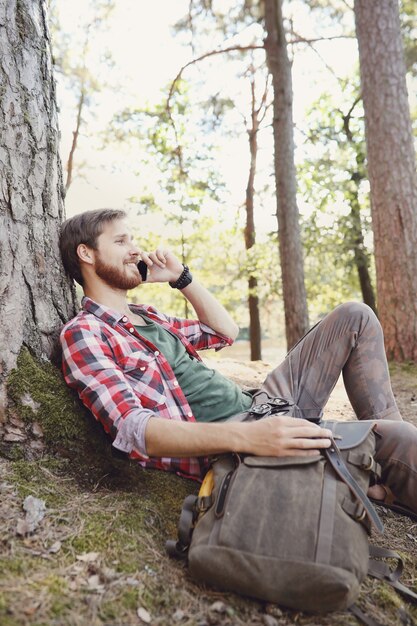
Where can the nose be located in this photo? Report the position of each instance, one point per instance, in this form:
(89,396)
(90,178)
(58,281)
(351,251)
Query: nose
(134,250)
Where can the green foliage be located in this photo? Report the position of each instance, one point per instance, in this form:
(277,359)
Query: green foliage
(333,181)
(409,32)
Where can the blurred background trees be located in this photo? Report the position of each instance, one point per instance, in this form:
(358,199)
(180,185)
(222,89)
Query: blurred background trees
(202,155)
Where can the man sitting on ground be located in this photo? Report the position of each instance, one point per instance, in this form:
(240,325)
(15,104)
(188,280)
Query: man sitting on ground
(138,370)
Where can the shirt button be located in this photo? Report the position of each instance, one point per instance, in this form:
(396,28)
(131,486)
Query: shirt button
(189,414)
(142,369)
(156,353)
(176,383)
(131,329)
(124,320)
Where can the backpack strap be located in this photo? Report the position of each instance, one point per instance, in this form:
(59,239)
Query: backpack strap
(379,569)
(336,460)
(179,549)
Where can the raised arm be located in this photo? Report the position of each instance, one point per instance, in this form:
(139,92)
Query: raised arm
(165,267)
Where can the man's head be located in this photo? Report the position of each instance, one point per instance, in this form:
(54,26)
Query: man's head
(97,243)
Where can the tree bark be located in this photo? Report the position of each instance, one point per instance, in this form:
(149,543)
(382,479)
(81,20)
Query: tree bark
(291,255)
(35,296)
(392,177)
(253,300)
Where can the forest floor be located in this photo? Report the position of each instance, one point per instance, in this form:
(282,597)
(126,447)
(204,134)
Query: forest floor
(97,557)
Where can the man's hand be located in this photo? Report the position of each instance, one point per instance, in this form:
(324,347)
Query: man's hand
(163,266)
(281,435)
(272,436)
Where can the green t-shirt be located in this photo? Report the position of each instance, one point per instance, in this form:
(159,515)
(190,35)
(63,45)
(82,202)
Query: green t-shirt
(211,396)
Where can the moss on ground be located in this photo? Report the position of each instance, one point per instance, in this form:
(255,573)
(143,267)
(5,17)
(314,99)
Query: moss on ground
(98,555)
(38,395)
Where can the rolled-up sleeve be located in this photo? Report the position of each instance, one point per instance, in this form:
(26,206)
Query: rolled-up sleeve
(200,336)
(89,367)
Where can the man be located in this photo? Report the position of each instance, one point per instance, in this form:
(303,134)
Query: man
(139,373)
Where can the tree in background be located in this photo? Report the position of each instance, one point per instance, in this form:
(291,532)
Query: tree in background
(291,254)
(36,297)
(258,111)
(392,175)
(74,67)
(241,16)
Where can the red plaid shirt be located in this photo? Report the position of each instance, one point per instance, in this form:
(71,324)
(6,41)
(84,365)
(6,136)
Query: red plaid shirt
(123,379)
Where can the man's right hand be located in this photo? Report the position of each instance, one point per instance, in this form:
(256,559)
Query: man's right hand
(281,435)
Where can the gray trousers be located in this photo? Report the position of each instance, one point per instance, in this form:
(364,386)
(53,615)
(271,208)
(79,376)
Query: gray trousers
(350,340)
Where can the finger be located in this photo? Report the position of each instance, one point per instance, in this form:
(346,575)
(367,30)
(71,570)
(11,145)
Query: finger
(161,254)
(156,259)
(309,431)
(307,443)
(146,258)
(314,429)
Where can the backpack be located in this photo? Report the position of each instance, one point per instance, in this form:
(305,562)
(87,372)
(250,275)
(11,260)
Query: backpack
(288,530)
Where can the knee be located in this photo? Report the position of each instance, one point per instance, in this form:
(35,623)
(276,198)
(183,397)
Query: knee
(398,439)
(358,311)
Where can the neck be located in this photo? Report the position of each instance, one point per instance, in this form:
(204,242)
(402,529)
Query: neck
(104,294)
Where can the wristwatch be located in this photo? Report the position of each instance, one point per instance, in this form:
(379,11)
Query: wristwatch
(184,280)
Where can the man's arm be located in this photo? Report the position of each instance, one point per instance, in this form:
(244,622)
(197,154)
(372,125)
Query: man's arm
(165,267)
(89,367)
(273,436)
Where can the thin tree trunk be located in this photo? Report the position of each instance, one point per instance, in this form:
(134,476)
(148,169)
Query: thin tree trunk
(360,254)
(35,296)
(291,255)
(75,135)
(392,177)
(253,300)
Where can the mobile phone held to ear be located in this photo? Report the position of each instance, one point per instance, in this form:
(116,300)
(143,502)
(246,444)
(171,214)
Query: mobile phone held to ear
(143,270)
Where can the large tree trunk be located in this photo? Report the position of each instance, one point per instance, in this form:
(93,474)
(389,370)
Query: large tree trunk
(391,165)
(291,256)
(35,296)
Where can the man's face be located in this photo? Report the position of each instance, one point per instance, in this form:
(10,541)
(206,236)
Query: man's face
(117,256)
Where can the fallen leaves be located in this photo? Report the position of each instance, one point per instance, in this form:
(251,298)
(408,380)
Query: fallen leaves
(35,512)
(144,615)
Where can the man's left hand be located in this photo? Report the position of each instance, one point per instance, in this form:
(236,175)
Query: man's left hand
(163,266)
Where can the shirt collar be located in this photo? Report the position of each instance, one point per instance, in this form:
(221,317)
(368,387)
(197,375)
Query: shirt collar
(105,313)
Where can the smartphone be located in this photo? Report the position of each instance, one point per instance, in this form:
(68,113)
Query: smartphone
(143,270)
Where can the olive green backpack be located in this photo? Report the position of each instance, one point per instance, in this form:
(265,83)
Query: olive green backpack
(290,530)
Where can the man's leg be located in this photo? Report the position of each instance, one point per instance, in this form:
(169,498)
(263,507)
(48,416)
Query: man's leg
(350,340)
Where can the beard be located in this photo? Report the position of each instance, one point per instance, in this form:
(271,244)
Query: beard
(115,277)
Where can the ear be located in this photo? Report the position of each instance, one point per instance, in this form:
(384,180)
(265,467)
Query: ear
(85,254)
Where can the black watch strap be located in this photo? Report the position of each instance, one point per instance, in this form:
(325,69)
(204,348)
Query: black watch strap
(184,280)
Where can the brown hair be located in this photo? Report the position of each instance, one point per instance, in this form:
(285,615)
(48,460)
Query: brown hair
(83,228)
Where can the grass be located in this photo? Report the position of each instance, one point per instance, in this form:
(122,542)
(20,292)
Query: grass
(98,555)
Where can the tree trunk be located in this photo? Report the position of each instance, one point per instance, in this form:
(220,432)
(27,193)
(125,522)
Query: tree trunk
(391,165)
(291,255)
(75,135)
(360,254)
(35,296)
(253,300)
